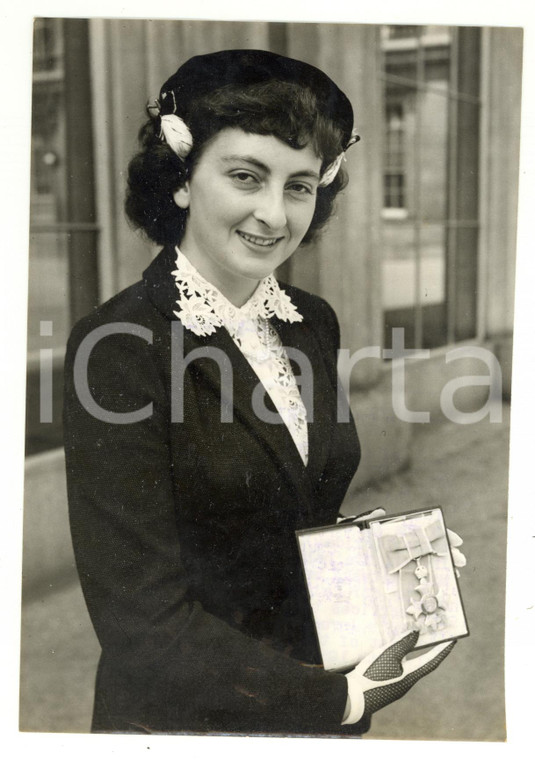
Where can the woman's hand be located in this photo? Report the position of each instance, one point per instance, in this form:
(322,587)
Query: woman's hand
(459,560)
(383,677)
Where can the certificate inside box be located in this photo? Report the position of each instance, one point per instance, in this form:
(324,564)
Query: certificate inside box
(367,586)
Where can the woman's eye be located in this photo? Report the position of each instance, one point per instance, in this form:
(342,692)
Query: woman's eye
(301,189)
(244,178)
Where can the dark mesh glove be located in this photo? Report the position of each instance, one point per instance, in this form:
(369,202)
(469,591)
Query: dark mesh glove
(383,676)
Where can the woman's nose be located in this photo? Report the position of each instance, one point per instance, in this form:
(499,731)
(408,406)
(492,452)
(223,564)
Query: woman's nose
(271,209)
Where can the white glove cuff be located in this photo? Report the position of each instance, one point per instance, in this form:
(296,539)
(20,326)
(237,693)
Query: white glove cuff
(356,701)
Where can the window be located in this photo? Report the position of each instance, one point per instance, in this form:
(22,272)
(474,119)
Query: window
(62,262)
(430,183)
(394,160)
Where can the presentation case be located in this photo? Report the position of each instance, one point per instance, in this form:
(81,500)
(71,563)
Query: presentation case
(368,583)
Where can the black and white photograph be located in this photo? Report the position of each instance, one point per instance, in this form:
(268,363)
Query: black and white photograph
(271,270)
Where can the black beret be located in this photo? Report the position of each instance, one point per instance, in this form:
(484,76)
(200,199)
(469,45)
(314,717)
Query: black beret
(203,74)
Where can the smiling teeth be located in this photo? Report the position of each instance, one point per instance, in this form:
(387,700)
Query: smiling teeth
(258,240)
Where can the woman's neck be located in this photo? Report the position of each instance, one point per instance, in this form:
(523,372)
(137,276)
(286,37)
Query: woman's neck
(237,290)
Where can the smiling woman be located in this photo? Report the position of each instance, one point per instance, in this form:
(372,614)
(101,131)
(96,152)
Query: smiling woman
(184,530)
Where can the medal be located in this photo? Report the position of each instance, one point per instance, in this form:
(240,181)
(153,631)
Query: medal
(427,608)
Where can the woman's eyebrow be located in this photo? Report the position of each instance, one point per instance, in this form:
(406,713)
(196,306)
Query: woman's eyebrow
(263,167)
(247,160)
(306,173)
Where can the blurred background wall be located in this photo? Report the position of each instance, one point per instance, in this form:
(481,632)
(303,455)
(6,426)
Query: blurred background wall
(424,237)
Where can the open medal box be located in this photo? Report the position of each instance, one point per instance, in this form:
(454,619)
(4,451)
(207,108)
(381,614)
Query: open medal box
(372,581)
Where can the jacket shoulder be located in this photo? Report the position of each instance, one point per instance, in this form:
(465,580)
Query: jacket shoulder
(308,302)
(317,313)
(131,305)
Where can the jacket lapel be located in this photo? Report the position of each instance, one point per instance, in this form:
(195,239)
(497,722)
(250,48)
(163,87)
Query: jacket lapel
(321,402)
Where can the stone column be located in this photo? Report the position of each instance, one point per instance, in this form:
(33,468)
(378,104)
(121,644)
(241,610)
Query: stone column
(344,267)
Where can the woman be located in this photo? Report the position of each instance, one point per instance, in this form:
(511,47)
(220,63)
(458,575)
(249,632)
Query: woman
(193,453)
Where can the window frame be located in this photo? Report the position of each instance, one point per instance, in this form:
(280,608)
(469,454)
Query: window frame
(78,220)
(460,307)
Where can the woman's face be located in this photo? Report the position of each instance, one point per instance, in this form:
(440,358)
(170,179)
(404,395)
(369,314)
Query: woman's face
(250,201)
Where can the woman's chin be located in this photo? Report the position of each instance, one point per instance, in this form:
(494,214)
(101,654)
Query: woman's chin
(259,264)
(253,268)
(259,272)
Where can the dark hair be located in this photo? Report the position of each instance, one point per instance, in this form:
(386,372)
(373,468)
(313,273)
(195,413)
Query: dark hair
(285,110)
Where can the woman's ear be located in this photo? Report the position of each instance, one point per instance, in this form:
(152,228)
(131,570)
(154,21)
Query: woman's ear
(181,196)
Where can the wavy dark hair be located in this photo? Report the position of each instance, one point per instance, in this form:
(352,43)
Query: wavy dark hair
(285,110)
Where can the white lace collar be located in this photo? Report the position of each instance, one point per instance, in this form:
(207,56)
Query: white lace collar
(203,308)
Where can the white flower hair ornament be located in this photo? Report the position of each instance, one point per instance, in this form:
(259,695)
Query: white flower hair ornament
(175,132)
(332,170)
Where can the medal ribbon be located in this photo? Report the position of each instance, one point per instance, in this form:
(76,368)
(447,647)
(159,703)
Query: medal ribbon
(397,551)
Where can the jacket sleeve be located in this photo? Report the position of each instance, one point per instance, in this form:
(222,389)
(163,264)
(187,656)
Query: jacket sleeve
(128,555)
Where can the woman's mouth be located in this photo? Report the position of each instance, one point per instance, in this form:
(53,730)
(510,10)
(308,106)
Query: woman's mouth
(265,242)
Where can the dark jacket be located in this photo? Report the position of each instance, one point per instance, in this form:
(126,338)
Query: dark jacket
(184,531)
